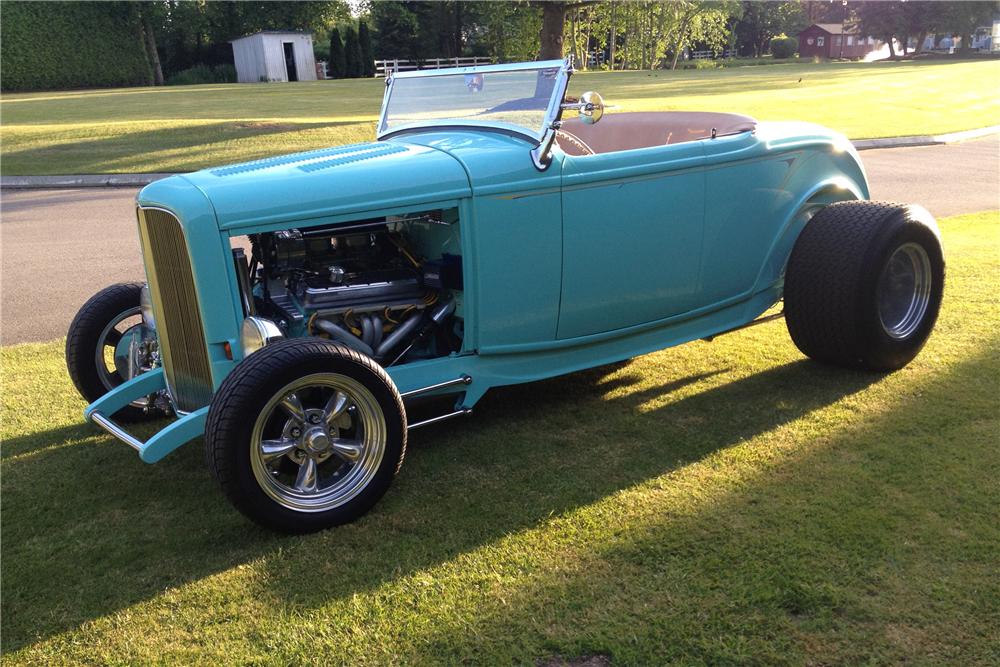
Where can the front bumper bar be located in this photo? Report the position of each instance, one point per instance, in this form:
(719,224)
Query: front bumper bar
(180,431)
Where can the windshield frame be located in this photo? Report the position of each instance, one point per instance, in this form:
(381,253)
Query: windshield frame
(552,111)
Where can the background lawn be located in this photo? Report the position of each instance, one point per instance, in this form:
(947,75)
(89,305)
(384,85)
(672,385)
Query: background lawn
(185,128)
(714,503)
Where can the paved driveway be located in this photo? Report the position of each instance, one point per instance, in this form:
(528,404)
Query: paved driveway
(61,246)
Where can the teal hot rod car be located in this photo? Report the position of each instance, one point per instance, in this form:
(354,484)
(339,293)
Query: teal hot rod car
(495,233)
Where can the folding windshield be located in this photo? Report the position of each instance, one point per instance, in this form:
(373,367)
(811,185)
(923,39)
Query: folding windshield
(515,97)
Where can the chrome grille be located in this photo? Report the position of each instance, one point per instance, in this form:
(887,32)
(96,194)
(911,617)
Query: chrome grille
(175,306)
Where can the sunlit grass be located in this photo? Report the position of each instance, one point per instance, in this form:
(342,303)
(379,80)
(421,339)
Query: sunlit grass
(713,503)
(189,127)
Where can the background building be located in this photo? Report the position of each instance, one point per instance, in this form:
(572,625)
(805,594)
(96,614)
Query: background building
(274,56)
(835,40)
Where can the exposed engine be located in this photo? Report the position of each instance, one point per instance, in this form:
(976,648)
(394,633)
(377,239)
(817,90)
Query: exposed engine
(388,288)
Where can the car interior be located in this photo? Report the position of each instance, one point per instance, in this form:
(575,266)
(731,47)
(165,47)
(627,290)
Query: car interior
(644,129)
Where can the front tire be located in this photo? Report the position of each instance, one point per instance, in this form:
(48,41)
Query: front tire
(93,355)
(305,434)
(864,284)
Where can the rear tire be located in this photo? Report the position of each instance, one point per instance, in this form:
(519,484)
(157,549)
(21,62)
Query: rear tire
(864,284)
(305,434)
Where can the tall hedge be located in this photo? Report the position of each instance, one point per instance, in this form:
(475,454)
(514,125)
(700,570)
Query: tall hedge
(47,45)
(337,65)
(365,44)
(352,54)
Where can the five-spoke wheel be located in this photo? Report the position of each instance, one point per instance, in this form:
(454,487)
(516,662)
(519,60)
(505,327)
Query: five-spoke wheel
(305,434)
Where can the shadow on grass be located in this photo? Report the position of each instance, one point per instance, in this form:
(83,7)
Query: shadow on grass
(89,530)
(874,545)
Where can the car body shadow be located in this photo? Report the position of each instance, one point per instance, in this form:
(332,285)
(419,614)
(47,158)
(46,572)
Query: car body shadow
(106,531)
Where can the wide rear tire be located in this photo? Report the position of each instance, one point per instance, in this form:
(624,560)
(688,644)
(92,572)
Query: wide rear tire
(864,284)
(305,434)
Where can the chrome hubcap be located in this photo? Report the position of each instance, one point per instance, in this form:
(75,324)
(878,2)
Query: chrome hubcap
(318,442)
(904,291)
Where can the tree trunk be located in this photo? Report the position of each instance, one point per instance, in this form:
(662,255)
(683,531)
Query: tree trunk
(154,57)
(551,35)
(678,40)
(921,38)
(966,43)
(614,35)
(575,48)
(892,49)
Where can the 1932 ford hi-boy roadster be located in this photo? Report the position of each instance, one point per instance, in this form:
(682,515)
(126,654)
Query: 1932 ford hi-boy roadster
(483,240)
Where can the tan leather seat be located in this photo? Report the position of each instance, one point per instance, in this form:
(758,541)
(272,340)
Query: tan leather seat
(626,131)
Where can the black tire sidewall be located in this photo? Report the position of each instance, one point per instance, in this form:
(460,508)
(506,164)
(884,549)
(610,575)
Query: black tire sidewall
(881,351)
(244,489)
(83,337)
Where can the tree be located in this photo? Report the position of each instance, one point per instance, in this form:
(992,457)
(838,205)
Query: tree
(553,27)
(763,20)
(365,44)
(692,21)
(352,54)
(397,28)
(962,18)
(337,64)
(149,38)
(504,31)
(883,20)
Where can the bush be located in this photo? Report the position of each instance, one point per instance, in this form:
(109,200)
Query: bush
(784,46)
(700,63)
(336,65)
(352,55)
(47,45)
(203,74)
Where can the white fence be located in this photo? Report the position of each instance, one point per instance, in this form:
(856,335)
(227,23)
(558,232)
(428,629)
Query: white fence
(397,65)
(703,55)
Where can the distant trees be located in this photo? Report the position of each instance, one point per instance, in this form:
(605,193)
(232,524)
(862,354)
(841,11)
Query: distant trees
(888,20)
(336,65)
(365,44)
(761,21)
(352,54)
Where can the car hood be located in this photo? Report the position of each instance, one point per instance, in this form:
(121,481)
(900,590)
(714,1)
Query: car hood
(352,179)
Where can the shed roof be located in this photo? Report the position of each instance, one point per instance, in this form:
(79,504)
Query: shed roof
(273,32)
(834,28)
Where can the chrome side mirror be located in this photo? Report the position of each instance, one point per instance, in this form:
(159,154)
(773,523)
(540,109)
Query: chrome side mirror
(590,107)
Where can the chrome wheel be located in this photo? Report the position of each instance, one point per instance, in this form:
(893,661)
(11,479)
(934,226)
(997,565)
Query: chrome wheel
(318,442)
(904,290)
(112,351)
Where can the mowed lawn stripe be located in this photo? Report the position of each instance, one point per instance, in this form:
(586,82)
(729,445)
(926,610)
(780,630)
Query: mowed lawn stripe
(713,503)
(183,128)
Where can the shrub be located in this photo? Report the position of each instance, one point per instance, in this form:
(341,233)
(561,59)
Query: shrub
(48,45)
(352,54)
(365,45)
(784,46)
(203,74)
(337,66)
(700,63)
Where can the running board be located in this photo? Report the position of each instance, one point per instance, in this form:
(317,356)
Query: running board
(461,412)
(753,323)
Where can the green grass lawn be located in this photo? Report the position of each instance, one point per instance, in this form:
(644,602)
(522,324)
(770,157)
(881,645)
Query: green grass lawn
(725,502)
(185,128)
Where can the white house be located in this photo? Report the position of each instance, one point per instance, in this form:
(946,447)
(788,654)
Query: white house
(274,56)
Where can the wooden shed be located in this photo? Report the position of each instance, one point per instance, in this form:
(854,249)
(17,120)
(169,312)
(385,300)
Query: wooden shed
(274,56)
(835,40)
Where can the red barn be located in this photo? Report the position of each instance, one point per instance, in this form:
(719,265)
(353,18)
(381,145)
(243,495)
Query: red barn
(835,40)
